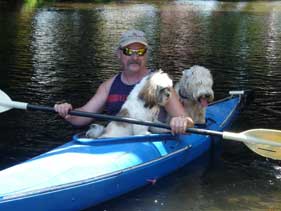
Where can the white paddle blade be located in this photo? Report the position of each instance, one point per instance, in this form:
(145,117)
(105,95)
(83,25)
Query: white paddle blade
(6,103)
(4,98)
(269,151)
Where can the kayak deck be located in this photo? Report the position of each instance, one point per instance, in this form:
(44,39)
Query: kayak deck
(76,162)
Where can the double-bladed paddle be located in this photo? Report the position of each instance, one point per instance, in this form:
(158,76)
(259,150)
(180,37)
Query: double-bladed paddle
(265,142)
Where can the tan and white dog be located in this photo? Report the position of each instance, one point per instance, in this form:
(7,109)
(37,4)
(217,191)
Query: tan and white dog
(195,92)
(143,103)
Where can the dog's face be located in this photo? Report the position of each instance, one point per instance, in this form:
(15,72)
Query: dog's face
(163,95)
(157,89)
(196,83)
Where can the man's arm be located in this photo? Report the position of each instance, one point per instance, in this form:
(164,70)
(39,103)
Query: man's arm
(95,104)
(179,121)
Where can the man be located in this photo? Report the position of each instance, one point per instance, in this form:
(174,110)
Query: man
(111,94)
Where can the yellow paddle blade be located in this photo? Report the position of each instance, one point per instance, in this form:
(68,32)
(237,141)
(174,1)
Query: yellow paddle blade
(269,151)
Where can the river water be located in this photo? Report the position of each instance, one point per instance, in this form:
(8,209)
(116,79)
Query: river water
(63,51)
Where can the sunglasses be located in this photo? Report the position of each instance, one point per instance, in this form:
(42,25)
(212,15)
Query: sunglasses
(130,52)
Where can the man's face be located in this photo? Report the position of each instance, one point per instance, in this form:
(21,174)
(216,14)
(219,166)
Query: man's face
(134,61)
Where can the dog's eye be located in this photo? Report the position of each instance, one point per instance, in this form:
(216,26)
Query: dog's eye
(166,91)
(163,90)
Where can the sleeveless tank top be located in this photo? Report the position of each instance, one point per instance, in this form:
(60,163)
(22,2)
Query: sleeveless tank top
(117,95)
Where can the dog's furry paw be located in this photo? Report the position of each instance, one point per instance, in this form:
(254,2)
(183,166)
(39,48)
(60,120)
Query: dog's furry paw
(95,131)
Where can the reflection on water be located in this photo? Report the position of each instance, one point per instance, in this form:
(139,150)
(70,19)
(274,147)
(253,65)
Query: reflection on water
(55,51)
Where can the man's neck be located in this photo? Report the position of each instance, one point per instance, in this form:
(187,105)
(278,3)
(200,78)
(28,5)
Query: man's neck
(131,78)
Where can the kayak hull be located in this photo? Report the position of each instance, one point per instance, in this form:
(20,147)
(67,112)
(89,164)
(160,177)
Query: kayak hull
(83,173)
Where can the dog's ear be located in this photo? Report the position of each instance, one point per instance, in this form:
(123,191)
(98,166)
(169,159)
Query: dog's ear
(148,94)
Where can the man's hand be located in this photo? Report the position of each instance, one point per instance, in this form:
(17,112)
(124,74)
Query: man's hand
(180,124)
(63,109)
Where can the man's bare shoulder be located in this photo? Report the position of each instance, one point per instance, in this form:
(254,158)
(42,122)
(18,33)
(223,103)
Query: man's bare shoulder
(106,85)
(101,93)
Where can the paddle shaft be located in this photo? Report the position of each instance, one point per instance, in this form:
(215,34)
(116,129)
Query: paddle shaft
(122,119)
(241,137)
(26,106)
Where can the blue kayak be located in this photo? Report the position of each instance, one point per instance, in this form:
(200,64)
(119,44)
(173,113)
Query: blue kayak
(85,172)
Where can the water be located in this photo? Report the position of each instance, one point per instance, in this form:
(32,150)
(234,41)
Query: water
(55,51)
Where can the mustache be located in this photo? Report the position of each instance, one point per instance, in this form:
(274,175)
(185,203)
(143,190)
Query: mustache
(134,62)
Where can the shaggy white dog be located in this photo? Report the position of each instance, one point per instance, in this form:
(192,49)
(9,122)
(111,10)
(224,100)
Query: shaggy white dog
(143,103)
(195,92)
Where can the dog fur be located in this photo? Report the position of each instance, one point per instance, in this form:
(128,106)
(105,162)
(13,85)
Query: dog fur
(143,103)
(195,92)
